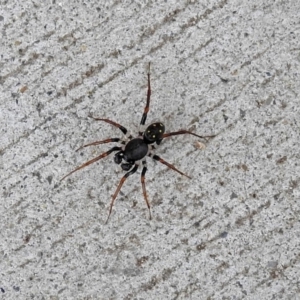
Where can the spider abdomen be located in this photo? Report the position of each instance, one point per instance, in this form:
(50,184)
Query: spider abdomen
(135,150)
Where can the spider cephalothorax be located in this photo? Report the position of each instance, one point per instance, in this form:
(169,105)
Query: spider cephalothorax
(132,151)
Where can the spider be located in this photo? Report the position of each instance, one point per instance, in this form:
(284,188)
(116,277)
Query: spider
(132,150)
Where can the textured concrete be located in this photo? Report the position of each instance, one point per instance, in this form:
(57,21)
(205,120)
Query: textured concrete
(225,67)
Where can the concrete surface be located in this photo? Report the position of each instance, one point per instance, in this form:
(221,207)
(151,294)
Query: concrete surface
(223,66)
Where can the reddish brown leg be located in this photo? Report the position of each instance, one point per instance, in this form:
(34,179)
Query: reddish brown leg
(146,110)
(155,157)
(100,142)
(144,187)
(119,188)
(93,160)
(186,132)
(122,128)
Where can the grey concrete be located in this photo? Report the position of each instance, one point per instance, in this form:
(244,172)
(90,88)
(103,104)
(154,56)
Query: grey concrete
(225,67)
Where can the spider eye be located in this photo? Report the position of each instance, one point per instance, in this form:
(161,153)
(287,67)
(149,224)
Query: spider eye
(154,132)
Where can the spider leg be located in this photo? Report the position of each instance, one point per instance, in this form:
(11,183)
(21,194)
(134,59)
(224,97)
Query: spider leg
(156,157)
(111,140)
(144,186)
(119,188)
(122,128)
(144,117)
(93,160)
(186,132)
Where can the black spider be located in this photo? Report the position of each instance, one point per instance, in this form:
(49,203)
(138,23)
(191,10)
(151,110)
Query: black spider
(136,149)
